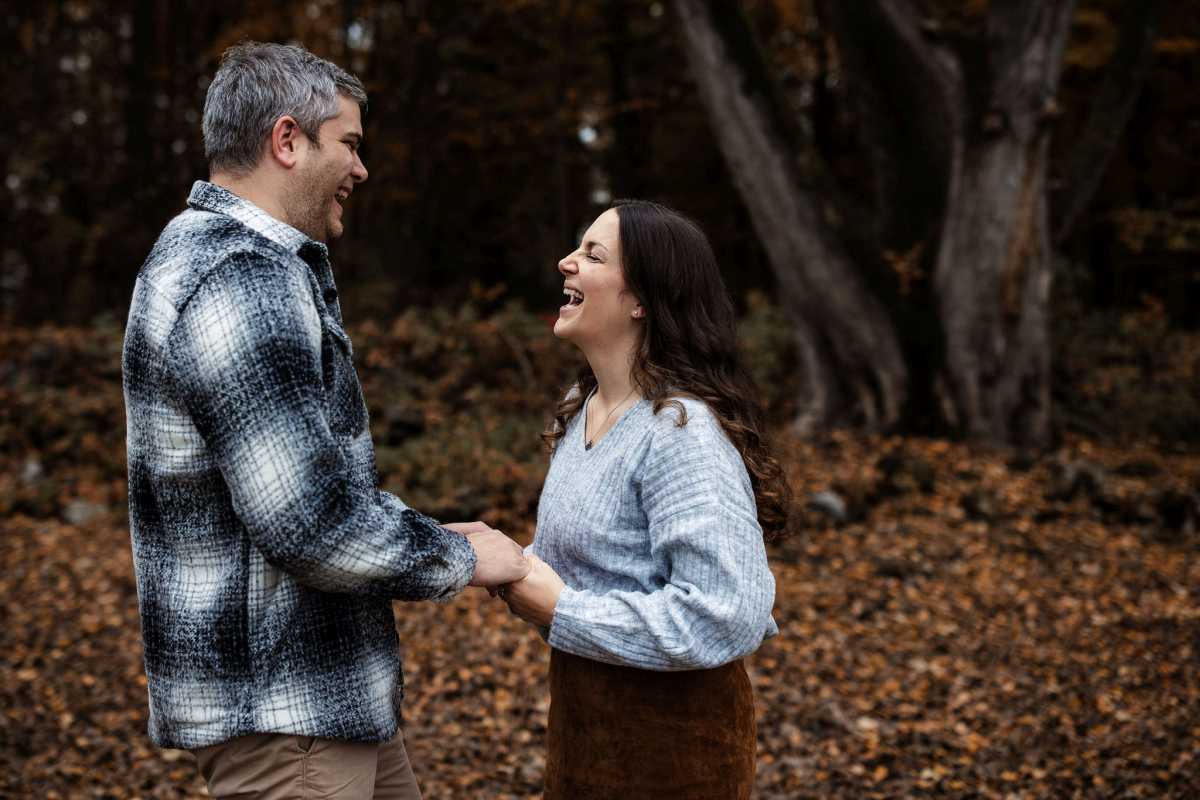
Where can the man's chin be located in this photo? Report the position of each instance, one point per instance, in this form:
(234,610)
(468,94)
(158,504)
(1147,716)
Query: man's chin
(334,230)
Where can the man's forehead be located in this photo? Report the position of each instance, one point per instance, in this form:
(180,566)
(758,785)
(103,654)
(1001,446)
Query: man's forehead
(349,115)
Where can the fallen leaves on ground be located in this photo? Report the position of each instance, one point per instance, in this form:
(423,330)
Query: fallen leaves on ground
(953,622)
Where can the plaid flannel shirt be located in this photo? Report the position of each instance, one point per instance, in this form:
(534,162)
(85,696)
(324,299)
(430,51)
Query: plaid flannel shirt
(266,558)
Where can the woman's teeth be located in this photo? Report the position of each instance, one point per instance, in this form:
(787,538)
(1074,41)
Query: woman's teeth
(574,298)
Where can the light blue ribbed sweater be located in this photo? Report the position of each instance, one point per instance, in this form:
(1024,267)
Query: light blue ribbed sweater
(655,533)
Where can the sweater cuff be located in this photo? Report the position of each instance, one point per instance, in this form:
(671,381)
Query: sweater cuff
(569,622)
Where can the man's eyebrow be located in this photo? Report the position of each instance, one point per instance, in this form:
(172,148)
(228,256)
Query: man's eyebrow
(357,137)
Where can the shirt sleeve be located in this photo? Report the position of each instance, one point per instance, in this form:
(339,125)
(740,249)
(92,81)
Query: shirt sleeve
(246,357)
(714,605)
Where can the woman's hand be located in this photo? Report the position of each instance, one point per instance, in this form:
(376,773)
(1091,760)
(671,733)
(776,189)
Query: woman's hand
(534,597)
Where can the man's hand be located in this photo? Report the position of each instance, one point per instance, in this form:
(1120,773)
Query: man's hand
(467,527)
(535,598)
(498,559)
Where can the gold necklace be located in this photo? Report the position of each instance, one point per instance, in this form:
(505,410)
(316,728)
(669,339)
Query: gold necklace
(587,444)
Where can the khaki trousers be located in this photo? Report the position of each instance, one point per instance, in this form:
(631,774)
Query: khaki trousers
(272,766)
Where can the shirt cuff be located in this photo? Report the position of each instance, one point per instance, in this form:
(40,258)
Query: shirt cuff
(457,552)
(465,573)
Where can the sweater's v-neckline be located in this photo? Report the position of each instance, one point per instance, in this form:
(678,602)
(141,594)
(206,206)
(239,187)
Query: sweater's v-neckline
(603,437)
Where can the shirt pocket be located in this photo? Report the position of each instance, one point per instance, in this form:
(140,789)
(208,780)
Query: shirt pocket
(347,412)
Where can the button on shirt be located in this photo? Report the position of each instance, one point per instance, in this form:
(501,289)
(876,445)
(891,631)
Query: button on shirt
(266,558)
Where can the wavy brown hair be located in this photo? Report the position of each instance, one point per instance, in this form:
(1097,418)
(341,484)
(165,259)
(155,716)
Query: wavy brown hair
(688,346)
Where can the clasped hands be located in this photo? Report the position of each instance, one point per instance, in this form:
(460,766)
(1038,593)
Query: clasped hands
(527,584)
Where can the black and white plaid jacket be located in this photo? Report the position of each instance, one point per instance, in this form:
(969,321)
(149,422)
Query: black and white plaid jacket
(266,558)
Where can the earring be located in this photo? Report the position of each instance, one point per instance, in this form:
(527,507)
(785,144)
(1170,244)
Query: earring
(637,313)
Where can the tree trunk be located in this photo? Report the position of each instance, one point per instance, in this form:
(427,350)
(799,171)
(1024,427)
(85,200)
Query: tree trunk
(962,111)
(995,259)
(853,363)
(899,88)
(979,91)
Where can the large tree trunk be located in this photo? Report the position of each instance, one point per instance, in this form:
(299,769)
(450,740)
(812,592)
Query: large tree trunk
(895,83)
(995,258)
(854,368)
(980,92)
(961,121)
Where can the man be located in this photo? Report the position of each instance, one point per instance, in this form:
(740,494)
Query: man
(266,559)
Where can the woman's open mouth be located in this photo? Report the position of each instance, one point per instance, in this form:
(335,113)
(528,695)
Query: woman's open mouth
(574,297)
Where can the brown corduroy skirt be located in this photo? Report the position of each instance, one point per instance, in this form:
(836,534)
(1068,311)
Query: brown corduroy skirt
(621,732)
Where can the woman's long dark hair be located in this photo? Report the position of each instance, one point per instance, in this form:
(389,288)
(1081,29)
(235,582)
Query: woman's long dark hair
(688,346)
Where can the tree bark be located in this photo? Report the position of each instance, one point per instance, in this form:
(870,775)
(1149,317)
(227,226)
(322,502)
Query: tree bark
(994,265)
(979,96)
(854,367)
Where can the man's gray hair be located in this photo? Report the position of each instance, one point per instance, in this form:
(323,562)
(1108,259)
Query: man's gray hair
(256,84)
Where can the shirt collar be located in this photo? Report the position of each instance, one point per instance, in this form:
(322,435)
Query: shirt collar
(207,196)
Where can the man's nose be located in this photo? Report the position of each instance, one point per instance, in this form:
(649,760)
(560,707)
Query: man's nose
(359,173)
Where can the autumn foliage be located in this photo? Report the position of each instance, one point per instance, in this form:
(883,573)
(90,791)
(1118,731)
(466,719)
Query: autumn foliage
(954,622)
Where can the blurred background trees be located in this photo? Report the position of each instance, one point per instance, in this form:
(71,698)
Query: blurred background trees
(959,211)
(938,217)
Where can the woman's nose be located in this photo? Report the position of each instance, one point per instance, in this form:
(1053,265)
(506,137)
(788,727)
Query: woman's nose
(567,264)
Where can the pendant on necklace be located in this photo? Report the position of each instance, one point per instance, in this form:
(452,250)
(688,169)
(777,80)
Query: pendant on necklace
(587,443)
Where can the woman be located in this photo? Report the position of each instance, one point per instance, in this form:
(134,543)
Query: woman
(650,576)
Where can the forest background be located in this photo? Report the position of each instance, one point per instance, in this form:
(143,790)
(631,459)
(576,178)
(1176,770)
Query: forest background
(963,240)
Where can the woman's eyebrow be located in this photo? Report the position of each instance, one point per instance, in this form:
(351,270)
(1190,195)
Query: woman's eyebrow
(588,245)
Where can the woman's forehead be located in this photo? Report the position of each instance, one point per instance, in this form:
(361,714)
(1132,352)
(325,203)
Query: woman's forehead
(605,230)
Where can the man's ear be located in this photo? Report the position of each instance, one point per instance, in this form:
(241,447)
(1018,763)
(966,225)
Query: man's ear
(285,143)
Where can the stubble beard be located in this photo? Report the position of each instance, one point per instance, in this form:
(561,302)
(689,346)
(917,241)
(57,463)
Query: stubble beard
(308,207)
